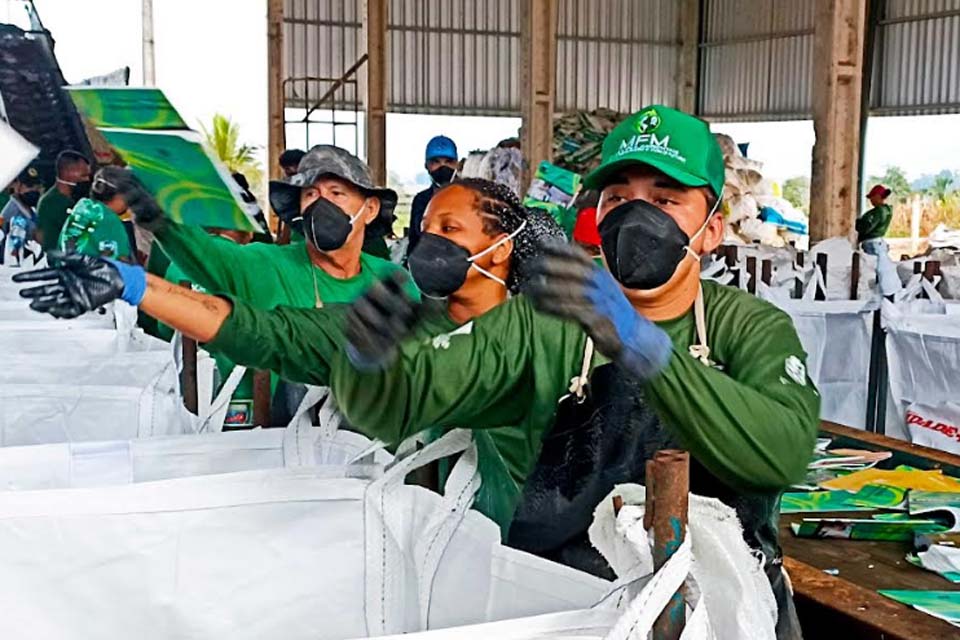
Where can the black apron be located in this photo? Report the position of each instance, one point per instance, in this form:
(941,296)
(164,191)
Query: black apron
(605,439)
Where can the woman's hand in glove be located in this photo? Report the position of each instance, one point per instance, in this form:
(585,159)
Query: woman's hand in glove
(77,284)
(114,181)
(565,282)
(379,320)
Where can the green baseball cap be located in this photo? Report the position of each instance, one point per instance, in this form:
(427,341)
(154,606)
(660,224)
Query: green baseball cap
(676,143)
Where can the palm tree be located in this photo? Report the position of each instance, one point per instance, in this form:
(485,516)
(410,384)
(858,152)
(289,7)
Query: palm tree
(222,140)
(941,187)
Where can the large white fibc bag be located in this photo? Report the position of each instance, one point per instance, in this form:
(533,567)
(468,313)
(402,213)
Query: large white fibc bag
(837,335)
(103,463)
(79,342)
(309,552)
(923,363)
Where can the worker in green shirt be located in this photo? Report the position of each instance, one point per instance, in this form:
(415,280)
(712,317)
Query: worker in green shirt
(871,229)
(600,368)
(72,184)
(331,200)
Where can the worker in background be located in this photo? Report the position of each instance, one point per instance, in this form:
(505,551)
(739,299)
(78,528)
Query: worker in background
(73,183)
(442,164)
(18,219)
(872,227)
(290,161)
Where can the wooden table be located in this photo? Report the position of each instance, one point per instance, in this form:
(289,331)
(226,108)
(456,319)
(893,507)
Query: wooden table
(848,605)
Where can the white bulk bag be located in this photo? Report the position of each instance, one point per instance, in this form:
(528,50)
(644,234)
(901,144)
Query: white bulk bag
(923,357)
(137,369)
(80,342)
(839,254)
(285,553)
(92,464)
(836,334)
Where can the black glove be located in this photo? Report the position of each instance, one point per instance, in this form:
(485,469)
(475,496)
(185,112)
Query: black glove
(114,181)
(565,282)
(76,284)
(378,321)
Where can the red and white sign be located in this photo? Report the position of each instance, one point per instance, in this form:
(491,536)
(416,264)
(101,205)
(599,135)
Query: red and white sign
(935,426)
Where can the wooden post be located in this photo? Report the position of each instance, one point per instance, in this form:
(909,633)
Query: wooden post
(538,79)
(688,63)
(766,271)
(822,266)
(752,274)
(261,398)
(672,485)
(855,275)
(375,38)
(275,72)
(188,379)
(838,45)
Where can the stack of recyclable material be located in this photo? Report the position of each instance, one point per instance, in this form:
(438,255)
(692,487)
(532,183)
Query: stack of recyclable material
(578,137)
(753,205)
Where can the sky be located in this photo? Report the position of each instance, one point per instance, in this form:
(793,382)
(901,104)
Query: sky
(211,57)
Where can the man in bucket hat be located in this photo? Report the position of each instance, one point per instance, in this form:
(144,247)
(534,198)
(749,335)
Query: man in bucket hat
(332,198)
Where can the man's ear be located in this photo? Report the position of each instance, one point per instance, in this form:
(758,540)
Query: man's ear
(713,233)
(371,210)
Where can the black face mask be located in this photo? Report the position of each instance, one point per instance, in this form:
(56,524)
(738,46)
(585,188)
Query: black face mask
(642,244)
(80,190)
(439,266)
(326,226)
(30,198)
(442,175)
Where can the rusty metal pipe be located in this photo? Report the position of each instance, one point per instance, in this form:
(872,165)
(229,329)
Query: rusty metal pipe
(671,473)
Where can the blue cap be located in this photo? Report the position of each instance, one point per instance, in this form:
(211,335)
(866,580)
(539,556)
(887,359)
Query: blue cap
(441,147)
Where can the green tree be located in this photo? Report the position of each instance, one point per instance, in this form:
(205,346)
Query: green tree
(941,187)
(222,140)
(796,191)
(894,179)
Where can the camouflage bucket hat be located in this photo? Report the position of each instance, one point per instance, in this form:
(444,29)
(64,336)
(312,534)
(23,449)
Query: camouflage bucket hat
(328,160)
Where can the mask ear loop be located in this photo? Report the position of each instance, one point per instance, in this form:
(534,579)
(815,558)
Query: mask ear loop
(713,210)
(496,244)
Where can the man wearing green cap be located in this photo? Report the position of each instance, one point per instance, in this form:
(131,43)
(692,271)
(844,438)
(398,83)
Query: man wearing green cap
(600,368)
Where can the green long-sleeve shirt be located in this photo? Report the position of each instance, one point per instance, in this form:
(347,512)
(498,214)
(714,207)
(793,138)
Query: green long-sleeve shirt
(752,424)
(874,223)
(265,275)
(51,214)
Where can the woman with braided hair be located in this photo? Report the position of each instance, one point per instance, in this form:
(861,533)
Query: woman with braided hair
(476,250)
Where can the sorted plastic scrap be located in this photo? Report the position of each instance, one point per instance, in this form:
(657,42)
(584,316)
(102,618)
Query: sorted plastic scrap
(938,559)
(939,604)
(554,189)
(882,529)
(578,137)
(903,477)
(869,498)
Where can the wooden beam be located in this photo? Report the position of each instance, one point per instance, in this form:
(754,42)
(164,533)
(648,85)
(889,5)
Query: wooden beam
(688,67)
(375,37)
(538,79)
(838,48)
(275,71)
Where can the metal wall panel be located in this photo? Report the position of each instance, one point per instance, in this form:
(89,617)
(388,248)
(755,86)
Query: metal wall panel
(917,58)
(756,59)
(617,54)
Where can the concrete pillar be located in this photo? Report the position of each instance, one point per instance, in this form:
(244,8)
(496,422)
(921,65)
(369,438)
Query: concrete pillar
(688,68)
(276,135)
(375,37)
(837,84)
(538,82)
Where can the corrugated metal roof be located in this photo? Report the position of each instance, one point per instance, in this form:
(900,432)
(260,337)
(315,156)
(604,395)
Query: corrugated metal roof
(756,59)
(917,58)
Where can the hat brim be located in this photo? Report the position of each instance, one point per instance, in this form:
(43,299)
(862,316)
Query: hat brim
(597,178)
(285,196)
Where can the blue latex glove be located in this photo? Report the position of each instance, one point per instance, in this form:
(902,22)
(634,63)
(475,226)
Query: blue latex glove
(134,281)
(567,283)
